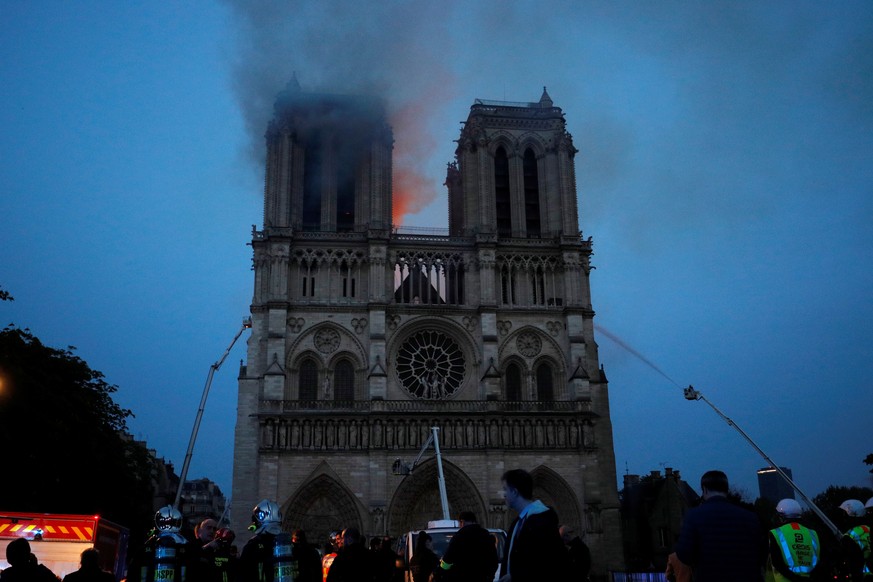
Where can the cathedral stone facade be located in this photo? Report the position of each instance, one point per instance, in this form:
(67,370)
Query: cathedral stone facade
(364,337)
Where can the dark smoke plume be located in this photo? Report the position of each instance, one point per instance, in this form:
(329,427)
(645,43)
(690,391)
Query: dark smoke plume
(377,49)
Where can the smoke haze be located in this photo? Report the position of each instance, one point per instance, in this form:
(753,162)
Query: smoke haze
(725,173)
(384,49)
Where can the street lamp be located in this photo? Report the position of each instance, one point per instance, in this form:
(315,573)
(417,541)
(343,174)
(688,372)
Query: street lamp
(246,324)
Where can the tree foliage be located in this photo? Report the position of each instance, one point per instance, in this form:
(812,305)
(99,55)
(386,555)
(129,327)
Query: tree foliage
(64,442)
(868,460)
(830,499)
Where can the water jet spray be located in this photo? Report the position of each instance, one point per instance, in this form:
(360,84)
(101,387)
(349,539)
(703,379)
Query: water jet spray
(692,394)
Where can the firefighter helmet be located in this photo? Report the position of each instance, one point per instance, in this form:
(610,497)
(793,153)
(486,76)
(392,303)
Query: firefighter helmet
(266,512)
(789,509)
(853,507)
(168,519)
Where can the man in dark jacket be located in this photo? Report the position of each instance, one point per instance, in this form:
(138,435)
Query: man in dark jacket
(90,570)
(721,541)
(23,566)
(577,552)
(536,552)
(472,553)
(308,559)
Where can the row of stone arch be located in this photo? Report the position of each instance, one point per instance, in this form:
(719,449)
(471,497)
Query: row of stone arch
(325,503)
(342,375)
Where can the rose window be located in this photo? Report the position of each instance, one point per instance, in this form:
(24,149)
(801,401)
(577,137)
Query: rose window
(327,340)
(430,365)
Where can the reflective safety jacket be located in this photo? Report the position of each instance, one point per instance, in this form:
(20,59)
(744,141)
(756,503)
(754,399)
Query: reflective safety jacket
(799,548)
(326,563)
(861,535)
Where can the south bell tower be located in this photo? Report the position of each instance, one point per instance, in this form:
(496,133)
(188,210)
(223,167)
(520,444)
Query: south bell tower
(365,336)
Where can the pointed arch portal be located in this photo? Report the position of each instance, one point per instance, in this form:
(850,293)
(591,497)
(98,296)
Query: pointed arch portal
(321,506)
(417,499)
(555,492)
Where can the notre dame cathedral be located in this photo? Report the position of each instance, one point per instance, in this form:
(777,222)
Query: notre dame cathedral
(364,337)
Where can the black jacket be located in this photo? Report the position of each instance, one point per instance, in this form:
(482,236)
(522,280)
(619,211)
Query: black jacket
(536,553)
(89,575)
(722,541)
(472,554)
(353,563)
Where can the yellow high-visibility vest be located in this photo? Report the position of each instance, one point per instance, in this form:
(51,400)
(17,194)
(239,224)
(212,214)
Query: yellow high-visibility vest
(800,550)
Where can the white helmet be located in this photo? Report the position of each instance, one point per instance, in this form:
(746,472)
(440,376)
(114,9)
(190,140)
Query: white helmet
(789,508)
(266,512)
(869,505)
(168,519)
(853,507)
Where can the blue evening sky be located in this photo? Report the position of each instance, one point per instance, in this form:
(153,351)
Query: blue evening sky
(725,172)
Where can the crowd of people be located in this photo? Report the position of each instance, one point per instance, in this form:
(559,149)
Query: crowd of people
(719,541)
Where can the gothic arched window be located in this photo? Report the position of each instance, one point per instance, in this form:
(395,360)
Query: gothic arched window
(309,269)
(513,382)
(313,159)
(545,383)
(345,189)
(501,193)
(531,194)
(348,280)
(344,381)
(308,380)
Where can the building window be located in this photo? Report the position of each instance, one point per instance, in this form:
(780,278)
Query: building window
(348,282)
(513,382)
(538,286)
(429,278)
(431,365)
(545,383)
(309,269)
(313,160)
(345,195)
(308,380)
(531,194)
(344,380)
(507,286)
(501,193)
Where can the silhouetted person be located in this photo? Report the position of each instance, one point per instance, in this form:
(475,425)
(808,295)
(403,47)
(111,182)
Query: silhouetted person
(335,542)
(535,551)
(90,570)
(577,552)
(383,562)
(308,558)
(719,540)
(23,566)
(855,542)
(424,561)
(353,562)
(201,552)
(472,553)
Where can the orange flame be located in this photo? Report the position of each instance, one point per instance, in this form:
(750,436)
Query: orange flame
(413,143)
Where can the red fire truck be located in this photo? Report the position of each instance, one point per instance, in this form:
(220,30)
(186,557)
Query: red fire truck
(58,540)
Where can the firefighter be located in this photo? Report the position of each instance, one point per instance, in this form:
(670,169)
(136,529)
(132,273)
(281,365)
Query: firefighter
(268,555)
(795,550)
(856,540)
(334,544)
(165,555)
